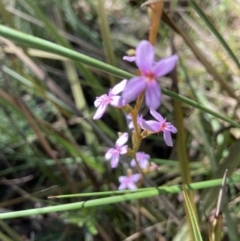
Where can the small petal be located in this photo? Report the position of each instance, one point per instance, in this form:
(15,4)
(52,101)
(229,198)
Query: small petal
(131,186)
(129,58)
(109,154)
(100,111)
(122,186)
(134,88)
(152,126)
(115,160)
(122,139)
(145,56)
(168,138)
(164,66)
(122,178)
(171,128)
(123,150)
(119,87)
(130,125)
(153,95)
(133,163)
(135,177)
(116,101)
(144,164)
(156,115)
(99,100)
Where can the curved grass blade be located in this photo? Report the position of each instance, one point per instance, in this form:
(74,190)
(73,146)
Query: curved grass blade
(206,20)
(41,44)
(116,199)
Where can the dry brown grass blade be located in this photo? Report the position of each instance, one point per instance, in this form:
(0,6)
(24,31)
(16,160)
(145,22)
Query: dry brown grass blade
(181,147)
(216,76)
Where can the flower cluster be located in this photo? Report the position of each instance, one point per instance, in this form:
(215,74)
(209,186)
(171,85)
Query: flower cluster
(145,83)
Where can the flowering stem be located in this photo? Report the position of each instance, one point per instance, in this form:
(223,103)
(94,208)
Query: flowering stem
(136,135)
(155,14)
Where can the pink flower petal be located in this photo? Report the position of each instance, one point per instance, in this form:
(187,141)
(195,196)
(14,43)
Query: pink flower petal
(156,115)
(123,150)
(122,178)
(153,95)
(122,139)
(131,186)
(99,100)
(119,87)
(114,160)
(109,153)
(144,164)
(134,88)
(116,101)
(152,126)
(164,66)
(100,111)
(133,163)
(171,128)
(135,177)
(122,186)
(129,58)
(168,138)
(130,125)
(145,56)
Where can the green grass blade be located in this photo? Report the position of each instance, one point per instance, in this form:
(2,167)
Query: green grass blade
(35,42)
(231,224)
(206,20)
(116,199)
(42,44)
(191,216)
(231,163)
(106,37)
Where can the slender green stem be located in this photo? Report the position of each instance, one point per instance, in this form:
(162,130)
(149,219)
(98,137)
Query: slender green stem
(164,190)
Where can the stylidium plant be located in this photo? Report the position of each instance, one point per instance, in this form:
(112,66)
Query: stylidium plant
(150,71)
(135,89)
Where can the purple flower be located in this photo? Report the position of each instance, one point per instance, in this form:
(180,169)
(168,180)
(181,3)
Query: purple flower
(160,125)
(111,98)
(140,120)
(114,153)
(129,182)
(150,71)
(142,159)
